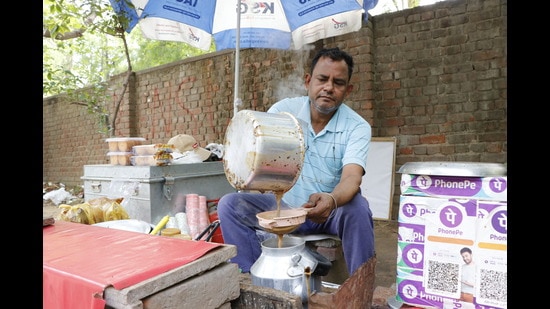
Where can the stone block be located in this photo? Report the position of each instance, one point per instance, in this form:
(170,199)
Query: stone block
(204,291)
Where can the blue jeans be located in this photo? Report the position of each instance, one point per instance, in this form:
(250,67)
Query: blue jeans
(352,222)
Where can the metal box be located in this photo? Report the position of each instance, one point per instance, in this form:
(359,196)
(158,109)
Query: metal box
(152,192)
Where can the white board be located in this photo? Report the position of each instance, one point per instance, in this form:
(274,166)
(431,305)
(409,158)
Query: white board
(377,184)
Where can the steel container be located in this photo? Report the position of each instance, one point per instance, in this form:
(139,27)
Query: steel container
(152,192)
(263,151)
(290,267)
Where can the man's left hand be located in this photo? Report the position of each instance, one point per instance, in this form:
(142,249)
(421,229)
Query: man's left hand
(319,207)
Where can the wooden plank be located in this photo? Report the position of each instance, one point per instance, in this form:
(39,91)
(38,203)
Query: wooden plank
(130,297)
(254,296)
(355,293)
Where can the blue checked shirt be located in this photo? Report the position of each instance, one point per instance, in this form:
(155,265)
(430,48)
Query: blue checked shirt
(344,140)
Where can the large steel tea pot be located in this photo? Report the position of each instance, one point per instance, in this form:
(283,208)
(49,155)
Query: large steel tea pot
(291,267)
(263,151)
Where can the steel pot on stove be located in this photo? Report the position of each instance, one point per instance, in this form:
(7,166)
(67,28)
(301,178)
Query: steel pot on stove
(291,267)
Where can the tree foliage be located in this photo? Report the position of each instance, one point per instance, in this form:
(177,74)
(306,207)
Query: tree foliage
(84,44)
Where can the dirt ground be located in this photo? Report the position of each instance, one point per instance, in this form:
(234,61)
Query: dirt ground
(385,233)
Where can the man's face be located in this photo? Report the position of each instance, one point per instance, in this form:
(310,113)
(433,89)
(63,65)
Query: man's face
(328,84)
(466,257)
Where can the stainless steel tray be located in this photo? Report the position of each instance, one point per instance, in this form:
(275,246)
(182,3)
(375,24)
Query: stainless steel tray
(467,169)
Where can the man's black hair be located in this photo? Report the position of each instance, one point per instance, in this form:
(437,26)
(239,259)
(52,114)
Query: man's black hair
(465,249)
(334,54)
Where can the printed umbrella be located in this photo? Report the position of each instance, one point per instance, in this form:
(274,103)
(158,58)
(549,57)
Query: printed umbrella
(279,24)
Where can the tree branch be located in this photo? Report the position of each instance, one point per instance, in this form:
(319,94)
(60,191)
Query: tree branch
(64,36)
(125,84)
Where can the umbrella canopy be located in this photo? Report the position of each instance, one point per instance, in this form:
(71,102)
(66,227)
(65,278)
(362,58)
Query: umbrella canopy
(279,24)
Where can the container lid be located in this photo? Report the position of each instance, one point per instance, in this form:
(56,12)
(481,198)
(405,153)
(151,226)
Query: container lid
(131,225)
(125,139)
(170,231)
(465,169)
(166,147)
(119,153)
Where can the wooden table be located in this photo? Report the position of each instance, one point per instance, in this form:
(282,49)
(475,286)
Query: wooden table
(86,266)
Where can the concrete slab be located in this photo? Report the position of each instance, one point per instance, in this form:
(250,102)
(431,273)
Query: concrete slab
(203,291)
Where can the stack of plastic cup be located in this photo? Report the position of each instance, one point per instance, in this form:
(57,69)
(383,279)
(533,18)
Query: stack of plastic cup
(204,220)
(181,220)
(193,214)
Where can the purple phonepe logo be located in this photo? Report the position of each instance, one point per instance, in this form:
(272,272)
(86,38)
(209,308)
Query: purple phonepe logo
(413,255)
(424,182)
(409,289)
(450,216)
(498,185)
(409,210)
(500,221)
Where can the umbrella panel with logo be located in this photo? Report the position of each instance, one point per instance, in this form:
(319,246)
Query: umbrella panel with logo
(278,24)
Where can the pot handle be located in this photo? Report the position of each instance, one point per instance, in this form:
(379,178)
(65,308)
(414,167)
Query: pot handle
(267,223)
(323,264)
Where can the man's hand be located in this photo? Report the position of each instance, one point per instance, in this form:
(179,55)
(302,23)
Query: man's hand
(319,206)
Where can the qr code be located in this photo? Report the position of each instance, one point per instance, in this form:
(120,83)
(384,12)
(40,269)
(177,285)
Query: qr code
(443,277)
(493,285)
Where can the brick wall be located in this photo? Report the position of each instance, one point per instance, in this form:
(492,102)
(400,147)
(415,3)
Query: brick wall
(435,77)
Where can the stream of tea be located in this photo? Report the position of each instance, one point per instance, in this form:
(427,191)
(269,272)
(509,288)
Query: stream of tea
(279,197)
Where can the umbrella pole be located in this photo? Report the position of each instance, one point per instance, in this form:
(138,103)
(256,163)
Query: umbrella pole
(236,101)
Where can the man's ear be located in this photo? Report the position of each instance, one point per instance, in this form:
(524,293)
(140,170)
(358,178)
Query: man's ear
(349,89)
(307,79)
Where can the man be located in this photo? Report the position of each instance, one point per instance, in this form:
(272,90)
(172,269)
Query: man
(468,275)
(337,140)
